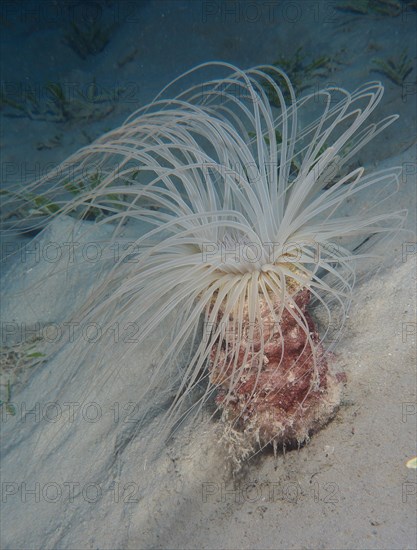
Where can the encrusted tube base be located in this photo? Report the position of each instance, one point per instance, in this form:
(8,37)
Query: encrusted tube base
(276,387)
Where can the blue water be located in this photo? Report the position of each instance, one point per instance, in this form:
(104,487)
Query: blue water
(152,41)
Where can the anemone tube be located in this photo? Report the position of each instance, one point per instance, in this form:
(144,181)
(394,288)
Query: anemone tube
(217,167)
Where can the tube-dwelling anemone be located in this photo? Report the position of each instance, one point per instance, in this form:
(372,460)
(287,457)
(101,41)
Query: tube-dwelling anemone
(242,186)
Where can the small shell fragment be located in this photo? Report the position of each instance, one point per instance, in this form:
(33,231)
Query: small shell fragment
(412,463)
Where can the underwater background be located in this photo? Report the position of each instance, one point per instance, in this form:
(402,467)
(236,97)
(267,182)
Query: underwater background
(71,71)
